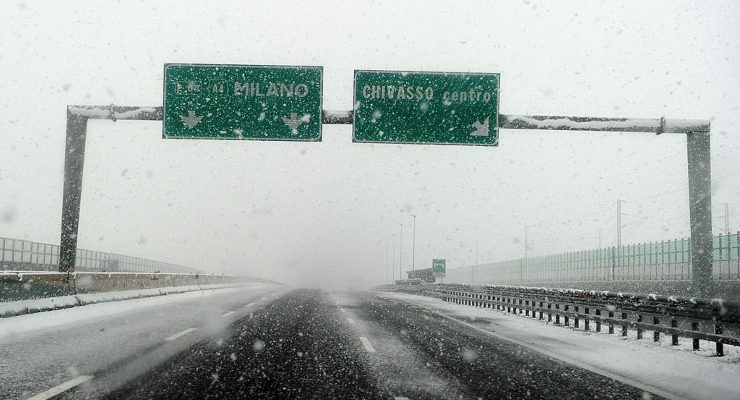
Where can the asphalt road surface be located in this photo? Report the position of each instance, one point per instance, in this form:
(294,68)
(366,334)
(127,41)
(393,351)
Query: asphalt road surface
(309,344)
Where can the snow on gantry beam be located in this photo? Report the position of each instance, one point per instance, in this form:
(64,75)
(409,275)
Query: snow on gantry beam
(652,125)
(657,125)
(117,112)
(338,117)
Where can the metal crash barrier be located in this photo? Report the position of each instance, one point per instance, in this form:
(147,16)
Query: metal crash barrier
(713,320)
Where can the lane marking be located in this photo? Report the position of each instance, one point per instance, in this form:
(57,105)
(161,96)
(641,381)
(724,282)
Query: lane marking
(263,298)
(61,388)
(179,334)
(249,305)
(350,320)
(342,309)
(629,381)
(401,398)
(226,314)
(368,346)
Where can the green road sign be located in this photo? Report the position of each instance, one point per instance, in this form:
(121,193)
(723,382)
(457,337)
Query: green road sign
(439,266)
(426,108)
(242,102)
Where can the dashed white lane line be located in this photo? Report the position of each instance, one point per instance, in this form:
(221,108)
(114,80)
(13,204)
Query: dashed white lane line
(350,320)
(400,398)
(342,309)
(249,305)
(263,298)
(179,334)
(61,388)
(368,346)
(224,315)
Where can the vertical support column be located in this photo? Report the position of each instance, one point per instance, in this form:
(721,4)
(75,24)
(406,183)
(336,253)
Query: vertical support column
(74,159)
(719,344)
(674,338)
(700,212)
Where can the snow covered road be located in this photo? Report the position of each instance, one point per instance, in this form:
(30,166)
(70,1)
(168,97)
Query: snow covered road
(266,342)
(39,351)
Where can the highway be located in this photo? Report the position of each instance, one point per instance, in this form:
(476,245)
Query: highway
(40,351)
(294,344)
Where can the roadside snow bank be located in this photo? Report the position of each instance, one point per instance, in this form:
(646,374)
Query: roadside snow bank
(674,369)
(13,308)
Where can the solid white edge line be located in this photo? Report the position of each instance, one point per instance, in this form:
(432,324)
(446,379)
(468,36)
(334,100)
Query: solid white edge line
(61,388)
(368,346)
(565,359)
(179,335)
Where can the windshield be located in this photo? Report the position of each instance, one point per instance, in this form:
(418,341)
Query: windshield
(371,199)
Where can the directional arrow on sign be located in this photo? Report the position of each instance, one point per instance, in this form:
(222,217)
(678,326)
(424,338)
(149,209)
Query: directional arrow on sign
(191,120)
(294,122)
(480,129)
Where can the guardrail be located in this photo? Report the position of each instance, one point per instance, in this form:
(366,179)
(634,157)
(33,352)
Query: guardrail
(713,320)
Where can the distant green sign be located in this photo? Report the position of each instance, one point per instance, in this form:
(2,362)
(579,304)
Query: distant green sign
(426,108)
(242,102)
(439,266)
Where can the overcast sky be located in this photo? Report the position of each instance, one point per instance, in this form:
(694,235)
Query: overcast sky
(312,213)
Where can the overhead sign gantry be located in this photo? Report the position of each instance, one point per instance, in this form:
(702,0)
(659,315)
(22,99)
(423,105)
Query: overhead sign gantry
(422,116)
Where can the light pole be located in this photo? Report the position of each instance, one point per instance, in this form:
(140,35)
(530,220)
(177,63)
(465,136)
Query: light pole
(619,239)
(393,258)
(526,252)
(387,264)
(400,255)
(727,217)
(619,223)
(413,247)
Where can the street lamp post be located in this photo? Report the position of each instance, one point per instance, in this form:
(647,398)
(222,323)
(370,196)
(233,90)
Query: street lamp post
(400,255)
(393,259)
(413,247)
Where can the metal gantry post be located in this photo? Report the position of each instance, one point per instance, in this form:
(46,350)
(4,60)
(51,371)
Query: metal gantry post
(700,211)
(74,159)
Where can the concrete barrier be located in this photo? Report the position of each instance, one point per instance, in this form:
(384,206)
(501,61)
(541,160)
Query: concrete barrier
(115,281)
(22,307)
